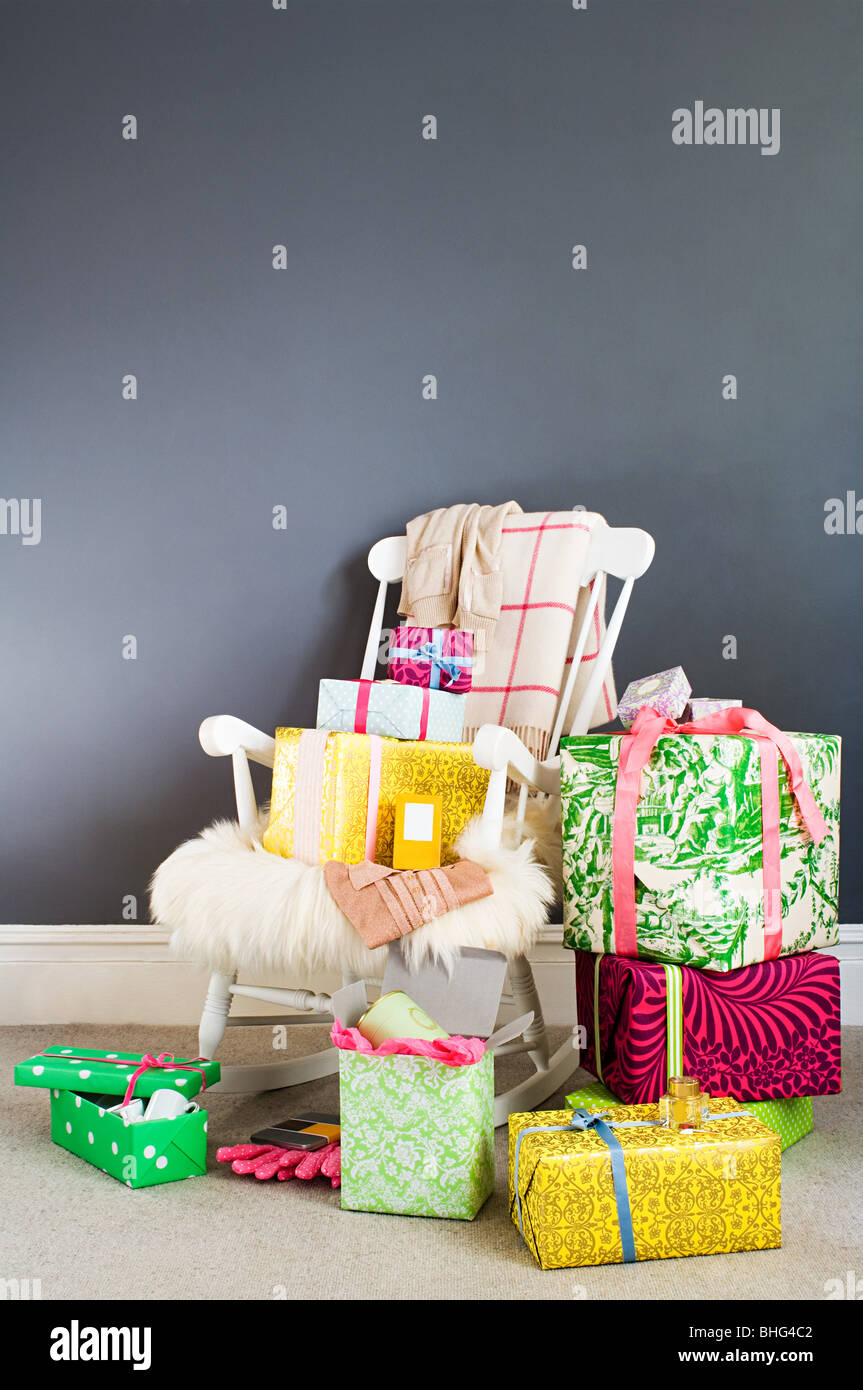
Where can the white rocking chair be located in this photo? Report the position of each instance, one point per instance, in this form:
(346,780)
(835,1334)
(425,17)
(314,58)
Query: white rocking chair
(622,553)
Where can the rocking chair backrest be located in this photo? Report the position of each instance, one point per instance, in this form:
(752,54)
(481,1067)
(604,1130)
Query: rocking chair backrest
(624,553)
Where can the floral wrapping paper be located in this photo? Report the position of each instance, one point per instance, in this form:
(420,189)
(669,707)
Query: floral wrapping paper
(665,691)
(713,1191)
(444,768)
(394,710)
(698,849)
(417,1136)
(790,1119)
(451,669)
(767,1032)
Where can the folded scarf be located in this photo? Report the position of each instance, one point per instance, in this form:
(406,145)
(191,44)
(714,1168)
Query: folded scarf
(452,570)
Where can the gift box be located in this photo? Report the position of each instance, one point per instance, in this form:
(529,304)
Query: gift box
(698,708)
(791,1119)
(697,850)
(767,1032)
(392,710)
(109,1073)
(625,1188)
(417,1135)
(665,691)
(439,657)
(141,1153)
(334,794)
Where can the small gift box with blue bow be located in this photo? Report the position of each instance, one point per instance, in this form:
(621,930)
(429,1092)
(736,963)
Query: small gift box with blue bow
(438,657)
(89,1088)
(592,1189)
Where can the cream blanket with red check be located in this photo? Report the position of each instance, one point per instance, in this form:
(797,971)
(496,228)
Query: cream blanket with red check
(526,647)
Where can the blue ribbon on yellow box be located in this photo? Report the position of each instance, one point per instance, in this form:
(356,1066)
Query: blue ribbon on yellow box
(433,653)
(584,1119)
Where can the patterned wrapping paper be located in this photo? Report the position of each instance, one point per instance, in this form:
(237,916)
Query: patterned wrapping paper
(713,1191)
(444,658)
(417,1136)
(698,849)
(394,710)
(790,1119)
(142,1154)
(89,1069)
(444,768)
(665,691)
(767,1032)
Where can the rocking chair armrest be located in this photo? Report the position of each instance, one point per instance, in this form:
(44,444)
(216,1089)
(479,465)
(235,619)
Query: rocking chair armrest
(222,735)
(500,750)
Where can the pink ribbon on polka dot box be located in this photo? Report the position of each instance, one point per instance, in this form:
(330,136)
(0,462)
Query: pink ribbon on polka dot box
(115,1073)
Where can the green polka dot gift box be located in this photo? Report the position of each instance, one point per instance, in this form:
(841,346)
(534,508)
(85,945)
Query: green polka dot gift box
(139,1154)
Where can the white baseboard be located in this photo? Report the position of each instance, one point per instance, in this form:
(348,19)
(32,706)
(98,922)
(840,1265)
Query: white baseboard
(126,974)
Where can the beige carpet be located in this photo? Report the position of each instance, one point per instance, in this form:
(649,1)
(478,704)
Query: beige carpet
(86,1236)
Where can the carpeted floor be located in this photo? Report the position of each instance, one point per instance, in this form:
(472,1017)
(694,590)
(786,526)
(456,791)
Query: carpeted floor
(86,1236)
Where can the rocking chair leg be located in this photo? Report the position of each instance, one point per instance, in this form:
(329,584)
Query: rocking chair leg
(214,1019)
(527,997)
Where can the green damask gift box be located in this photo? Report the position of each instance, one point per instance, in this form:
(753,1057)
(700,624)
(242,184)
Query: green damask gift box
(417,1135)
(713,849)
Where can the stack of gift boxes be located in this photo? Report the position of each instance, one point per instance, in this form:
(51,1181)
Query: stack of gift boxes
(700,866)
(700,883)
(335,786)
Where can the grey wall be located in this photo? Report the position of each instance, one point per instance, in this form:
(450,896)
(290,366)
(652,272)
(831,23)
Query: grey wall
(405,257)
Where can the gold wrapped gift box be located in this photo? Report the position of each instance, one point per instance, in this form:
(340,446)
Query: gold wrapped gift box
(708,1192)
(444,768)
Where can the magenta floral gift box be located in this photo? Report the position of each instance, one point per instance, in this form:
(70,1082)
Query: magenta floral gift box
(440,658)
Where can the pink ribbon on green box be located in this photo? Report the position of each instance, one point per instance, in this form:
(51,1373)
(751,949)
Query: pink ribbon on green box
(635,750)
(148,1061)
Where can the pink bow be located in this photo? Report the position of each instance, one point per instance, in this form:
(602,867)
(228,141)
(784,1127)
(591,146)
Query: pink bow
(635,750)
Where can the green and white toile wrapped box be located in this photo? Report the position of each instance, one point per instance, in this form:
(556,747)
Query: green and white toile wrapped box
(417,1136)
(698,849)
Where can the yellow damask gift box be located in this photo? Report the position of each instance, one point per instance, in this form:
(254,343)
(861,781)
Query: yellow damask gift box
(592,1190)
(334,794)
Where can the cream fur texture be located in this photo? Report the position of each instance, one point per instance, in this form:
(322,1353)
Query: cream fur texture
(233,906)
(542,826)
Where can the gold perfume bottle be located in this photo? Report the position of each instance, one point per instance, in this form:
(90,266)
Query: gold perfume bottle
(685,1105)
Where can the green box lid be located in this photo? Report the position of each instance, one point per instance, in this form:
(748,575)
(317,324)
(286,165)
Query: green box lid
(88,1069)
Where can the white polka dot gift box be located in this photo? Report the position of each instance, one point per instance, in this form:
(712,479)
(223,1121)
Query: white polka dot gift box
(392,710)
(139,1154)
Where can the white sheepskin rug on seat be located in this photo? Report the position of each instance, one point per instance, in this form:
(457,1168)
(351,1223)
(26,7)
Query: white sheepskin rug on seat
(231,905)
